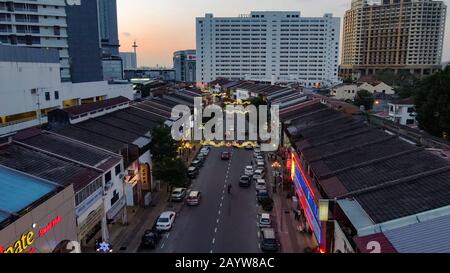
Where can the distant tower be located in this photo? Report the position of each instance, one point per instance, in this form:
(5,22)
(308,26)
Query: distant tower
(135,46)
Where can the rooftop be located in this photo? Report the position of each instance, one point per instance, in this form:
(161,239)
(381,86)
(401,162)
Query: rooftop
(86,108)
(388,177)
(72,149)
(45,166)
(18,191)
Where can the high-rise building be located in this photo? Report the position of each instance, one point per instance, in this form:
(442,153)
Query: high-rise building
(39,24)
(109,37)
(396,34)
(184,64)
(270,47)
(93,41)
(129,60)
(109,27)
(84,42)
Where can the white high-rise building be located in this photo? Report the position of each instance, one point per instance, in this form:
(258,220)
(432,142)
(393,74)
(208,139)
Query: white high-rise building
(269,46)
(40,24)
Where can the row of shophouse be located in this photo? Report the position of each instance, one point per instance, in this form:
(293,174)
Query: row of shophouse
(64,184)
(361,188)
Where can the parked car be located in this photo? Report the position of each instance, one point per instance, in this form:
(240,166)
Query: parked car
(150,239)
(260,164)
(244,181)
(259,174)
(192,172)
(269,242)
(259,157)
(260,184)
(202,158)
(262,194)
(205,150)
(193,199)
(178,194)
(226,156)
(265,221)
(248,170)
(197,163)
(165,221)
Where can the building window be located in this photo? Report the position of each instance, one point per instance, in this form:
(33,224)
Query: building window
(118,169)
(47,96)
(56,95)
(115,198)
(107,177)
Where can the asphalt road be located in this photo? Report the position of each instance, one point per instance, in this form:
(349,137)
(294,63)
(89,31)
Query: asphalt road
(222,223)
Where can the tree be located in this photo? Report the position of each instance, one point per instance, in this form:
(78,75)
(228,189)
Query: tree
(403,82)
(163,145)
(364,97)
(172,171)
(432,99)
(256,101)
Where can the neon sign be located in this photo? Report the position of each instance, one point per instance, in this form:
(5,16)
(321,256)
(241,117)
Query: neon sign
(306,198)
(24,244)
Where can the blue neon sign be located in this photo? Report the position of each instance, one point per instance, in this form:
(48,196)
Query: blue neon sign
(309,204)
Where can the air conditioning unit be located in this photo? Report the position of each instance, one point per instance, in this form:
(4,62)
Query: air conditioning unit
(33,91)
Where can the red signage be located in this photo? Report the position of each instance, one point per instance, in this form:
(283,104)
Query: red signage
(24,244)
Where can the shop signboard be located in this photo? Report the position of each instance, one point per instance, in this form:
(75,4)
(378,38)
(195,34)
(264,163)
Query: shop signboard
(25,244)
(306,196)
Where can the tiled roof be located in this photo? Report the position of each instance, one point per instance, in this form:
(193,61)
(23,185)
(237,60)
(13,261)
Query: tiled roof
(92,138)
(86,108)
(389,177)
(71,149)
(47,167)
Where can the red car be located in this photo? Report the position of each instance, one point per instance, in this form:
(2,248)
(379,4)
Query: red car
(226,156)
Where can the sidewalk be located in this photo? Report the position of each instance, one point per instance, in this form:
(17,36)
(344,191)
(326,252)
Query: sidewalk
(291,239)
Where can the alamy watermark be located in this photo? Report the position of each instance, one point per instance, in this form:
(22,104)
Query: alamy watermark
(241,124)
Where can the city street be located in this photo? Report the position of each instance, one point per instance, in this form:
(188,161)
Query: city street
(222,223)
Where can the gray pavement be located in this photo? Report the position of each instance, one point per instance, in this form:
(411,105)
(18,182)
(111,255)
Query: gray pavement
(222,223)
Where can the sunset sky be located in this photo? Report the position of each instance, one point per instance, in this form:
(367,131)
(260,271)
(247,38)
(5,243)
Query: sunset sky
(161,27)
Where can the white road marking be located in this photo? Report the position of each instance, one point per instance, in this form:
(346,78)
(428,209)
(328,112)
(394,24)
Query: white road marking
(221,204)
(218,220)
(215,230)
(214,241)
(224,186)
(222,197)
(211,251)
(220,212)
(162,246)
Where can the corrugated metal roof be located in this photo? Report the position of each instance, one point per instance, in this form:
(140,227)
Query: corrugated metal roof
(431,236)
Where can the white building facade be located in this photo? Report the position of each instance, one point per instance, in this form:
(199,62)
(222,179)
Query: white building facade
(403,112)
(31,87)
(270,47)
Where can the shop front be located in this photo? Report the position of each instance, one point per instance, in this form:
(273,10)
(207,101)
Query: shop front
(308,204)
(44,229)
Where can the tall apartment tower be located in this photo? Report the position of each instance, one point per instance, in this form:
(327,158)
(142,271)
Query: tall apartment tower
(184,64)
(38,24)
(396,34)
(269,47)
